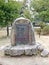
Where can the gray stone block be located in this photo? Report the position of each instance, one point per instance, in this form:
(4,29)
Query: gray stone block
(40,47)
(34,50)
(28,50)
(44,53)
(16,51)
(31,50)
(7,50)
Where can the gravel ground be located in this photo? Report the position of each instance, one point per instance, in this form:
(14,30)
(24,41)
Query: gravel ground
(25,60)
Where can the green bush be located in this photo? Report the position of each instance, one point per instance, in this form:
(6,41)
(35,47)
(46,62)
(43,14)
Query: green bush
(38,30)
(42,24)
(45,30)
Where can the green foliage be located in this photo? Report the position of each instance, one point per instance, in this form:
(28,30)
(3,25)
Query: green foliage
(44,15)
(8,12)
(42,8)
(45,30)
(2,18)
(38,30)
(27,14)
(25,11)
(42,24)
(40,5)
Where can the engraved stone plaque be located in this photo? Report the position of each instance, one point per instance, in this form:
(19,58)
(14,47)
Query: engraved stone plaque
(22,35)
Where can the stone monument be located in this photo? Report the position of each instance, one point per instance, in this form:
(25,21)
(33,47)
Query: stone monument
(22,38)
(22,32)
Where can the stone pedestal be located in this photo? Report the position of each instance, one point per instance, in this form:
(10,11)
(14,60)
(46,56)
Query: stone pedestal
(21,50)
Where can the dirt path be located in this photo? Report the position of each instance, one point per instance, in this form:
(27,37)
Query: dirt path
(34,60)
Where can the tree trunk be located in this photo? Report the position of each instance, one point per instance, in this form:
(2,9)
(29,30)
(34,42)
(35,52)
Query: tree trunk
(7,30)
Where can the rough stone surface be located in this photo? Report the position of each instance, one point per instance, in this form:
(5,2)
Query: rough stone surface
(35,50)
(7,50)
(39,47)
(21,50)
(28,50)
(31,50)
(44,53)
(16,51)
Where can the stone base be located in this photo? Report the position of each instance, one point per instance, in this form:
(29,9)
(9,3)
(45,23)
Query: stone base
(21,50)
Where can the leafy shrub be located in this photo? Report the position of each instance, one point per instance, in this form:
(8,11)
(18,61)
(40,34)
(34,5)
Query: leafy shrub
(38,30)
(45,30)
(42,24)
